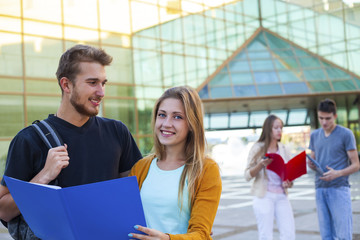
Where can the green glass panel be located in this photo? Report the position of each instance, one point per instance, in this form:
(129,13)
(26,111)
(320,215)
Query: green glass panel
(220,92)
(336,73)
(320,86)
(307,62)
(147,68)
(276,43)
(206,121)
(43,87)
(314,74)
(116,39)
(119,91)
(12,115)
(148,92)
(245,91)
(287,53)
(10,55)
(289,76)
(282,114)
(345,85)
(144,109)
(194,29)
(145,145)
(256,45)
(297,117)
(42,56)
(341,116)
(173,69)
(286,63)
(219,120)
(241,78)
(40,107)
(357,81)
(261,65)
(123,110)
(220,80)
(265,77)
(120,70)
(224,70)
(171,47)
(257,118)
(259,54)
(4,147)
(241,56)
(251,8)
(204,93)
(295,88)
(239,66)
(354,114)
(11,85)
(146,43)
(239,120)
(270,89)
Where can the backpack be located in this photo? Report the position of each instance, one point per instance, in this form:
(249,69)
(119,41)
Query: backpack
(17,227)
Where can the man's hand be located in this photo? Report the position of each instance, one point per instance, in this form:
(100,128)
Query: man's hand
(331,174)
(311,165)
(57,159)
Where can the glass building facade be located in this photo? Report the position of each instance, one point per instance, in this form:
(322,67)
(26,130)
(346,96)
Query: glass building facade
(235,53)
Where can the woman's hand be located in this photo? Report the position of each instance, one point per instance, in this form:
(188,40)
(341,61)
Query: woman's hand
(287,184)
(265,161)
(152,234)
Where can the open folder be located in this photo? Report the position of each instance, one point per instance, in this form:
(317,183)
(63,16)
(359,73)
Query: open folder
(103,210)
(291,170)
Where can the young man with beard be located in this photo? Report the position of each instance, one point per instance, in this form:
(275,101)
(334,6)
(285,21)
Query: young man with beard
(96,149)
(334,148)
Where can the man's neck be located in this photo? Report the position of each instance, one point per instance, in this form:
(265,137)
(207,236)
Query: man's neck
(328,132)
(72,116)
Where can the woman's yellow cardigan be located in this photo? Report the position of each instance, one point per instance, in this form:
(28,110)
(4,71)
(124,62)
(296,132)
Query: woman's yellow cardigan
(205,203)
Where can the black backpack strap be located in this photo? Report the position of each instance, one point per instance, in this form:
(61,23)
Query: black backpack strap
(47,133)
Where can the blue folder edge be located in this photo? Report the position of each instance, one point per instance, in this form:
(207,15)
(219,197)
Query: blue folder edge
(102,210)
(318,168)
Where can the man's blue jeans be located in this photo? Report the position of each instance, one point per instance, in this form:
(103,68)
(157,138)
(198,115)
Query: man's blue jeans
(334,213)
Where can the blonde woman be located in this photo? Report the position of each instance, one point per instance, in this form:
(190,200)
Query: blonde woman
(180,188)
(270,193)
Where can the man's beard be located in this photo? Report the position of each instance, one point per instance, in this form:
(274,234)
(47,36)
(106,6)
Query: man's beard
(80,108)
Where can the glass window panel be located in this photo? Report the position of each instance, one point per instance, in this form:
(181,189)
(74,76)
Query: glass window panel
(120,70)
(35,9)
(239,66)
(121,109)
(145,145)
(4,147)
(10,24)
(320,86)
(119,91)
(10,54)
(257,118)
(148,92)
(146,43)
(341,116)
(143,15)
(346,85)
(256,46)
(295,88)
(12,115)
(224,70)
(115,12)
(241,78)
(47,87)
(220,79)
(221,92)
(239,120)
(42,29)
(171,47)
(11,85)
(42,56)
(260,65)
(82,35)
(206,121)
(265,77)
(245,91)
(354,114)
(219,120)
(286,63)
(10,7)
(297,117)
(144,110)
(259,54)
(204,93)
(309,62)
(357,81)
(335,73)
(282,114)
(194,29)
(270,89)
(40,107)
(289,76)
(75,13)
(314,74)
(172,31)
(116,39)
(173,69)
(241,56)
(147,67)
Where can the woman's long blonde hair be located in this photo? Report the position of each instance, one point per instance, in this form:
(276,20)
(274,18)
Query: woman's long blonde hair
(195,142)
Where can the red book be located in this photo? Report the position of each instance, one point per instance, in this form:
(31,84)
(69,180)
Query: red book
(290,170)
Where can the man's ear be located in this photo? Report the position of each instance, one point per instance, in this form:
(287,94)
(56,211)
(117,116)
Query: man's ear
(65,84)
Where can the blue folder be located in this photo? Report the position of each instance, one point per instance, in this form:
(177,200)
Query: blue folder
(103,210)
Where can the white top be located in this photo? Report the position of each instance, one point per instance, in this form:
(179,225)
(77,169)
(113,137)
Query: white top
(159,195)
(274,181)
